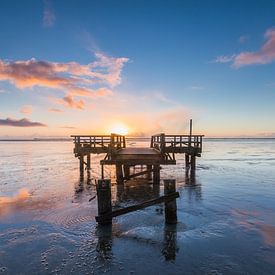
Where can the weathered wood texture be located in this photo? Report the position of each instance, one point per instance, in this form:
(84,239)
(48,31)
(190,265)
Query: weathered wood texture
(170,206)
(107,216)
(104,199)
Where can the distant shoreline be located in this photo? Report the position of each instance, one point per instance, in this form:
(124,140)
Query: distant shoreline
(132,138)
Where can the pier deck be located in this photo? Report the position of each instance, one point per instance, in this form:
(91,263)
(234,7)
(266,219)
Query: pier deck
(161,151)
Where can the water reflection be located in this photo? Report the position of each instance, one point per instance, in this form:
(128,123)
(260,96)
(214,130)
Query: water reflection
(170,248)
(104,245)
(193,188)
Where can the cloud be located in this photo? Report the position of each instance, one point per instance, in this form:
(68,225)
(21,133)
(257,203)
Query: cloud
(55,110)
(24,122)
(243,39)
(265,55)
(48,14)
(68,127)
(224,59)
(69,101)
(95,79)
(27,109)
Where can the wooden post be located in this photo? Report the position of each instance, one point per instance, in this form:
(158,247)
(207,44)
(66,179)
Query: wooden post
(119,174)
(187,163)
(170,206)
(104,199)
(88,162)
(190,133)
(149,173)
(102,171)
(126,169)
(193,164)
(81,166)
(156,174)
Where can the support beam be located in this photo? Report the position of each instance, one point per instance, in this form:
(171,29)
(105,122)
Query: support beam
(88,162)
(119,174)
(81,167)
(156,174)
(187,162)
(170,206)
(193,165)
(149,172)
(119,212)
(126,169)
(104,200)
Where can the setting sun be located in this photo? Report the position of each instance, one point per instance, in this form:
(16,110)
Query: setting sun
(119,128)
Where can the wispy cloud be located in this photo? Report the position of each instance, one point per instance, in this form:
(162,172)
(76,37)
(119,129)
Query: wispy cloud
(48,14)
(265,55)
(69,101)
(55,110)
(27,109)
(224,58)
(243,39)
(95,79)
(24,122)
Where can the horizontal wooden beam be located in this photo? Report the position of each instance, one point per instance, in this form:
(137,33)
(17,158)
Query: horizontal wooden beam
(142,173)
(136,207)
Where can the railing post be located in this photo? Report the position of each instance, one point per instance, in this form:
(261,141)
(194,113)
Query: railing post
(104,199)
(170,206)
(162,143)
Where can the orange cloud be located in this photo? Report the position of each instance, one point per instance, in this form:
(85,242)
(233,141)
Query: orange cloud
(27,109)
(73,78)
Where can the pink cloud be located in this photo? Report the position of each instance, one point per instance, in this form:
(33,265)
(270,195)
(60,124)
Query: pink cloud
(27,109)
(56,110)
(70,102)
(265,55)
(73,78)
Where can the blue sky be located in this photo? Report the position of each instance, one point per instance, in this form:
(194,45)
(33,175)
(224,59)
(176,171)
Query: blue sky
(84,66)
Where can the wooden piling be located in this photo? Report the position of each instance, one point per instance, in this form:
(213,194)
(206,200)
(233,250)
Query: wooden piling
(149,173)
(81,166)
(126,169)
(193,164)
(187,162)
(156,174)
(170,206)
(88,162)
(119,174)
(104,200)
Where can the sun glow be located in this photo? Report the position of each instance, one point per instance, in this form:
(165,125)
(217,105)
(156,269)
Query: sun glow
(119,129)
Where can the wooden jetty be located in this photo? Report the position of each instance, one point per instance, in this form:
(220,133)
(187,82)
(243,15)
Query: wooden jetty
(162,151)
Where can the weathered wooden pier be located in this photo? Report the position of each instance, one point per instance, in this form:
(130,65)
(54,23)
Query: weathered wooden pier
(161,151)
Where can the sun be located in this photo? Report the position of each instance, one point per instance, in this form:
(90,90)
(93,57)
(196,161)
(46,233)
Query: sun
(119,129)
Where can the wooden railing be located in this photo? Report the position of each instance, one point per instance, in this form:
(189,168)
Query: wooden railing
(100,141)
(164,142)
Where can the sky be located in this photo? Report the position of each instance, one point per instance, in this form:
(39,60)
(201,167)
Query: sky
(94,67)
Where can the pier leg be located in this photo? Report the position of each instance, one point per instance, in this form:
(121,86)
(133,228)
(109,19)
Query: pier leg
(126,169)
(193,165)
(170,206)
(149,174)
(104,201)
(88,162)
(119,174)
(187,163)
(81,167)
(156,174)
(102,171)
(88,166)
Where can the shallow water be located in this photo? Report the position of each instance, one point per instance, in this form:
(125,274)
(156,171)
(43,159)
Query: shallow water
(226,214)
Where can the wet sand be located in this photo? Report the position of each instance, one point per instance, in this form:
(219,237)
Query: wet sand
(226,214)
